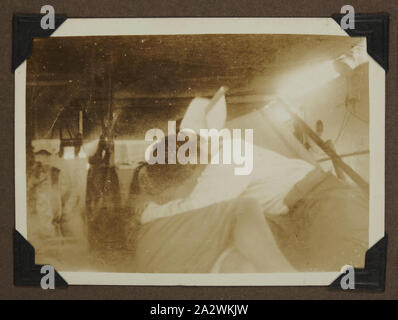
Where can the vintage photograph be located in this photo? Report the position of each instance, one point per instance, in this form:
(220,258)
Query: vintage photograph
(198,153)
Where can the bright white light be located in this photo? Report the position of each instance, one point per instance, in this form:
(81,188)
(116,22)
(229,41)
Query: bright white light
(277,112)
(306,79)
(280,114)
(69,153)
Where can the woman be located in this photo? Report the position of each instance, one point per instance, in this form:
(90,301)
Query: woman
(320,223)
(193,241)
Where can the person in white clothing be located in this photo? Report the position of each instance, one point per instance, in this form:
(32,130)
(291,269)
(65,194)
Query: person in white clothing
(285,215)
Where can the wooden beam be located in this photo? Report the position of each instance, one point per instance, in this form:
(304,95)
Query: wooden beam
(52,83)
(330,152)
(344,155)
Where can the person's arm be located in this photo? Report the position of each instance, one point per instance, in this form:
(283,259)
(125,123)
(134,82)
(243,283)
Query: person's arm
(217,183)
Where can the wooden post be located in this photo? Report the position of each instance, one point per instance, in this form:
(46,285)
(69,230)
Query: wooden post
(81,122)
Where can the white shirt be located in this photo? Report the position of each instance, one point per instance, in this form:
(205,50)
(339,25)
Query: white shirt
(271,179)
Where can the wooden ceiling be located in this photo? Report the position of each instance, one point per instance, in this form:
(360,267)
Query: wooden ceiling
(179,66)
(167,71)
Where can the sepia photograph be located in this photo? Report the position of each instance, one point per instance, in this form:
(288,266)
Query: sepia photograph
(190,157)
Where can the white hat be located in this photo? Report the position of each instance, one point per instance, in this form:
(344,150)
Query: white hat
(198,117)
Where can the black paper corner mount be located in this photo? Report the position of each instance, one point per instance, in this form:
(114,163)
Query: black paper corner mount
(373,276)
(25,27)
(26,272)
(375,27)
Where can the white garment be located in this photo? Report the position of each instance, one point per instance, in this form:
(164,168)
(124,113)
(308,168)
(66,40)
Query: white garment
(271,179)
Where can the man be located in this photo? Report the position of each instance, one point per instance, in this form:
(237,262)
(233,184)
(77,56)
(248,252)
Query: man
(192,240)
(320,223)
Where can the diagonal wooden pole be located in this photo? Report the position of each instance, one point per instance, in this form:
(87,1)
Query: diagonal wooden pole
(330,152)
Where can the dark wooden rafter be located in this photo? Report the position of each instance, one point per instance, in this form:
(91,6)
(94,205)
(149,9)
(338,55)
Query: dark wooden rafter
(345,155)
(329,151)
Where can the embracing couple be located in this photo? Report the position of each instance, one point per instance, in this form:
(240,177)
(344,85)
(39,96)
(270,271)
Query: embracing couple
(286,215)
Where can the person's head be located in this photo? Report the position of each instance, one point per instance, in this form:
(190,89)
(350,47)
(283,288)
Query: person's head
(158,179)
